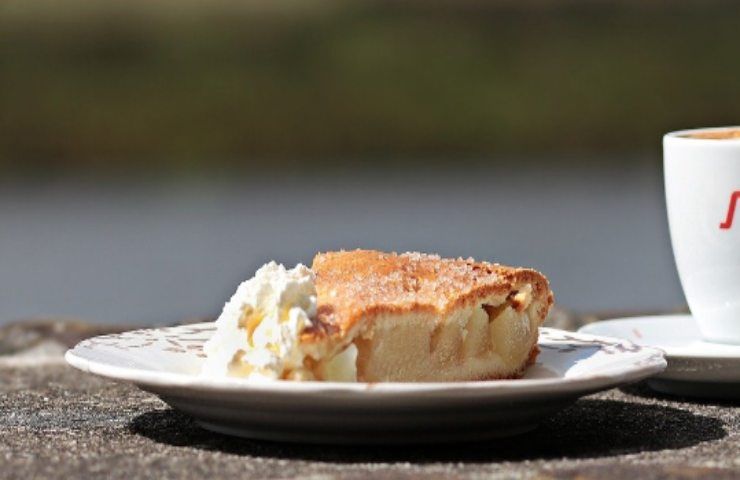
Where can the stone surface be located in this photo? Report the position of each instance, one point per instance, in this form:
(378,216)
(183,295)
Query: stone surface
(60,423)
(56,422)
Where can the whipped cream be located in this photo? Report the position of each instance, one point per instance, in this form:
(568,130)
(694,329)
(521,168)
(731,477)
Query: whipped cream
(258,333)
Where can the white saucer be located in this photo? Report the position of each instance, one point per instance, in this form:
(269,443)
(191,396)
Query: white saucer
(167,361)
(695,367)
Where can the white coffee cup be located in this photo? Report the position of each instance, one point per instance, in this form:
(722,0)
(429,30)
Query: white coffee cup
(702,183)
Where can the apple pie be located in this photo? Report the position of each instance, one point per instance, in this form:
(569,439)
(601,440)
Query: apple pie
(371,316)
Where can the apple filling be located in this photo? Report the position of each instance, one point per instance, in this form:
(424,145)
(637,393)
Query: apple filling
(493,339)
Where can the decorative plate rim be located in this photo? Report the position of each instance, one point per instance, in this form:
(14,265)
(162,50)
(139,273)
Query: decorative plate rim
(652,362)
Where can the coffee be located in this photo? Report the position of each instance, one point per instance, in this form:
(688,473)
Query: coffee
(702,180)
(724,134)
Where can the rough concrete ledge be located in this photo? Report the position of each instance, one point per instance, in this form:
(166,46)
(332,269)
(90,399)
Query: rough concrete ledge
(56,422)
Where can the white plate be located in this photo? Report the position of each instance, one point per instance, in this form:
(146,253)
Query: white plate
(166,361)
(695,367)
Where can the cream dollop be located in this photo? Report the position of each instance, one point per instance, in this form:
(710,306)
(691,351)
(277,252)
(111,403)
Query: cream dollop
(258,333)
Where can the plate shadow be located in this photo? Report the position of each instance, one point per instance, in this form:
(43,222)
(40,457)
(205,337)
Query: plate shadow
(588,429)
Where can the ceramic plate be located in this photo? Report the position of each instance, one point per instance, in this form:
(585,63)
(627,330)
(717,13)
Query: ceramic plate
(166,361)
(695,367)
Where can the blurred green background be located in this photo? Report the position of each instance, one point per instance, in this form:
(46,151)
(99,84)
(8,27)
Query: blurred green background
(107,86)
(154,153)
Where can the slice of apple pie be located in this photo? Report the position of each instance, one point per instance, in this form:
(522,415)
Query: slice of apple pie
(370,316)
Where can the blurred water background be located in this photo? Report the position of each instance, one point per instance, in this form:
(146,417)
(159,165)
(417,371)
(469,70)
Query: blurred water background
(153,154)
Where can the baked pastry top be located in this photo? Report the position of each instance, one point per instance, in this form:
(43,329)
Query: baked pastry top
(360,283)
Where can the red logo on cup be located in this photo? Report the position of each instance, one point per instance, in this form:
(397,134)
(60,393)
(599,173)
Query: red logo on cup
(734,197)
